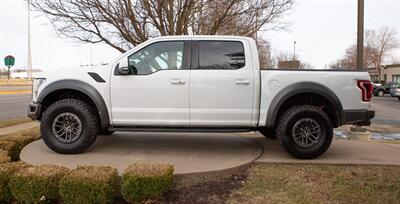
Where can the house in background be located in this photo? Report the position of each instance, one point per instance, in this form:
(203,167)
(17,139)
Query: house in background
(389,73)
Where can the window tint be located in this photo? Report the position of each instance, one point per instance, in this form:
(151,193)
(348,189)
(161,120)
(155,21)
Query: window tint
(221,55)
(156,57)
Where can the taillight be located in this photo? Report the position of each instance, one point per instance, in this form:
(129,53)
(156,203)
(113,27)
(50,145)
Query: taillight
(366,89)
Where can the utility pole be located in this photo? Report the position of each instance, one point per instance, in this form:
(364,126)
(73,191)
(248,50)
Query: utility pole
(294,50)
(29,67)
(360,35)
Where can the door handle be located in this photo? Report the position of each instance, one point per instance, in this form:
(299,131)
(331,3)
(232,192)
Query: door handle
(242,82)
(177,81)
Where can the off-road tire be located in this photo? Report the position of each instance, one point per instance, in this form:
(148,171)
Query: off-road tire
(286,123)
(89,126)
(268,132)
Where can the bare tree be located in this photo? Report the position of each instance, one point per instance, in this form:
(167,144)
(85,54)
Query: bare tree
(381,42)
(264,54)
(123,24)
(378,45)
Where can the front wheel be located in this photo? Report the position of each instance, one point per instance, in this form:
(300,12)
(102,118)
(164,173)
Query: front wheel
(69,126)
(305,132)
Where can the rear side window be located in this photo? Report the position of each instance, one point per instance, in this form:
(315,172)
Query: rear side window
(221,55)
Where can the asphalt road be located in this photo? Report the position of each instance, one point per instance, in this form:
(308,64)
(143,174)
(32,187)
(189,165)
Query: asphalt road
(387,108)
(14,106)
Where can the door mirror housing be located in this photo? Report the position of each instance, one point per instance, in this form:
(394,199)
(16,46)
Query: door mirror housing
(122,67)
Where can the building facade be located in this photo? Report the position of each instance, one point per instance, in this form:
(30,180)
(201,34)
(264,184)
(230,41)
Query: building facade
(389,73)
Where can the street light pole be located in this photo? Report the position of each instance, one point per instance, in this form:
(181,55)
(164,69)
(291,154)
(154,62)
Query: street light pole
(360,35)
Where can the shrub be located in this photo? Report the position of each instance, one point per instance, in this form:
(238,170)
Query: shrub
(12,149)
(4,158)
(6,170)
(90,185)
(37,184)
(15,142)
(146,181)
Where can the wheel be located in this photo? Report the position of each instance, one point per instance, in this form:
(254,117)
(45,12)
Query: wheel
(69,126)
(381,93)
(398,98)
(105,132)
(305,132)
(268,132)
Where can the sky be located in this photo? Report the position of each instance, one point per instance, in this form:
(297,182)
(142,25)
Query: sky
(322,29)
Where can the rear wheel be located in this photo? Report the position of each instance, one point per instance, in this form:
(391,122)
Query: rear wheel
(398,98)
(69,126)
(305,132)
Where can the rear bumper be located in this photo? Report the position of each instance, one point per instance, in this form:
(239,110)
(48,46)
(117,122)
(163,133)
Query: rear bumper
(358,117)
(34,111)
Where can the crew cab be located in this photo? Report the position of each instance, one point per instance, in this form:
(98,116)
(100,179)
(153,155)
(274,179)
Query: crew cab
(198,83)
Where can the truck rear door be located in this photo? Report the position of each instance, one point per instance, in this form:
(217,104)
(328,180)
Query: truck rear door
(221,83)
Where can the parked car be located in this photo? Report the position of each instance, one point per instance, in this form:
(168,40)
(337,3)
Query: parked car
(382,90)
(198,83)
(395,91)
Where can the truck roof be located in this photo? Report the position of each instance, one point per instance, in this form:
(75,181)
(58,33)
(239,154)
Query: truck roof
(205,37)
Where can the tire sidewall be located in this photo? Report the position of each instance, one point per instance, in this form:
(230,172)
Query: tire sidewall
(52,113)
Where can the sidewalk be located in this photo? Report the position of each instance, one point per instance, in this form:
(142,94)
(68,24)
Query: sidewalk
(16,128)
(340,152)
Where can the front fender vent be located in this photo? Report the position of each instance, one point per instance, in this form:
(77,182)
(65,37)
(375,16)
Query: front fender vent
(96,77)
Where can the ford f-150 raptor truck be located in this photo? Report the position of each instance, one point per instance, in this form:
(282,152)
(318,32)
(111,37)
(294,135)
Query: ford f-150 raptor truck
(198,83)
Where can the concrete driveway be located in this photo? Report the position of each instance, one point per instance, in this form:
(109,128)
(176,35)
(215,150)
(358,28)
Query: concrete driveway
(205,152)
(189,153)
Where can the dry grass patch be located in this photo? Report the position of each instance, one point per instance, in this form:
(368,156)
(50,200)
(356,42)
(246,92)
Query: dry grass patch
(142,182)
(37,184)
(275,183)
(15,82)
(90,185)
(14,121)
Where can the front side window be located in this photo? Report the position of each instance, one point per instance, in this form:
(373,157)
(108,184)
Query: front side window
(221,55)
(156,57)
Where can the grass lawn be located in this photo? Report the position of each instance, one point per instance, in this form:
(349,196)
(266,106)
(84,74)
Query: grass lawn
(14,121)
(283,183)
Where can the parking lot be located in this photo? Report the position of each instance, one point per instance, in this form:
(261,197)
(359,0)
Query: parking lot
(387,110)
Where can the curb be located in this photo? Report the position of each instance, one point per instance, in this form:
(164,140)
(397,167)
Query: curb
(14,92)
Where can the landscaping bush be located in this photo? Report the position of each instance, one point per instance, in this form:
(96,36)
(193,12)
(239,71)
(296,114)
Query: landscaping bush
(4,156)
(12,149)
(15,142)
(6,171)
(90,185)
(37,184)
(146,181)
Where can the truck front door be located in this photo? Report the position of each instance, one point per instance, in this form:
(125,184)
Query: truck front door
(156,90)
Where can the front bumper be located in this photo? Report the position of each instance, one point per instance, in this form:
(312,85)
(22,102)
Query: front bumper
(358,117)
(34,111)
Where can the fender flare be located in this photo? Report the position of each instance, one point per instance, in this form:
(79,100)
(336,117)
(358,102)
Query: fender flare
(86,89)
(303,88)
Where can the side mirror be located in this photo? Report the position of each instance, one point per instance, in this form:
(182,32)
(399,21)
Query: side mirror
(123,70)
(122,67)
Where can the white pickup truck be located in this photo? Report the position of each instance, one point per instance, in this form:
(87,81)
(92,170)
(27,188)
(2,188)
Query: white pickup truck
(198,83)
